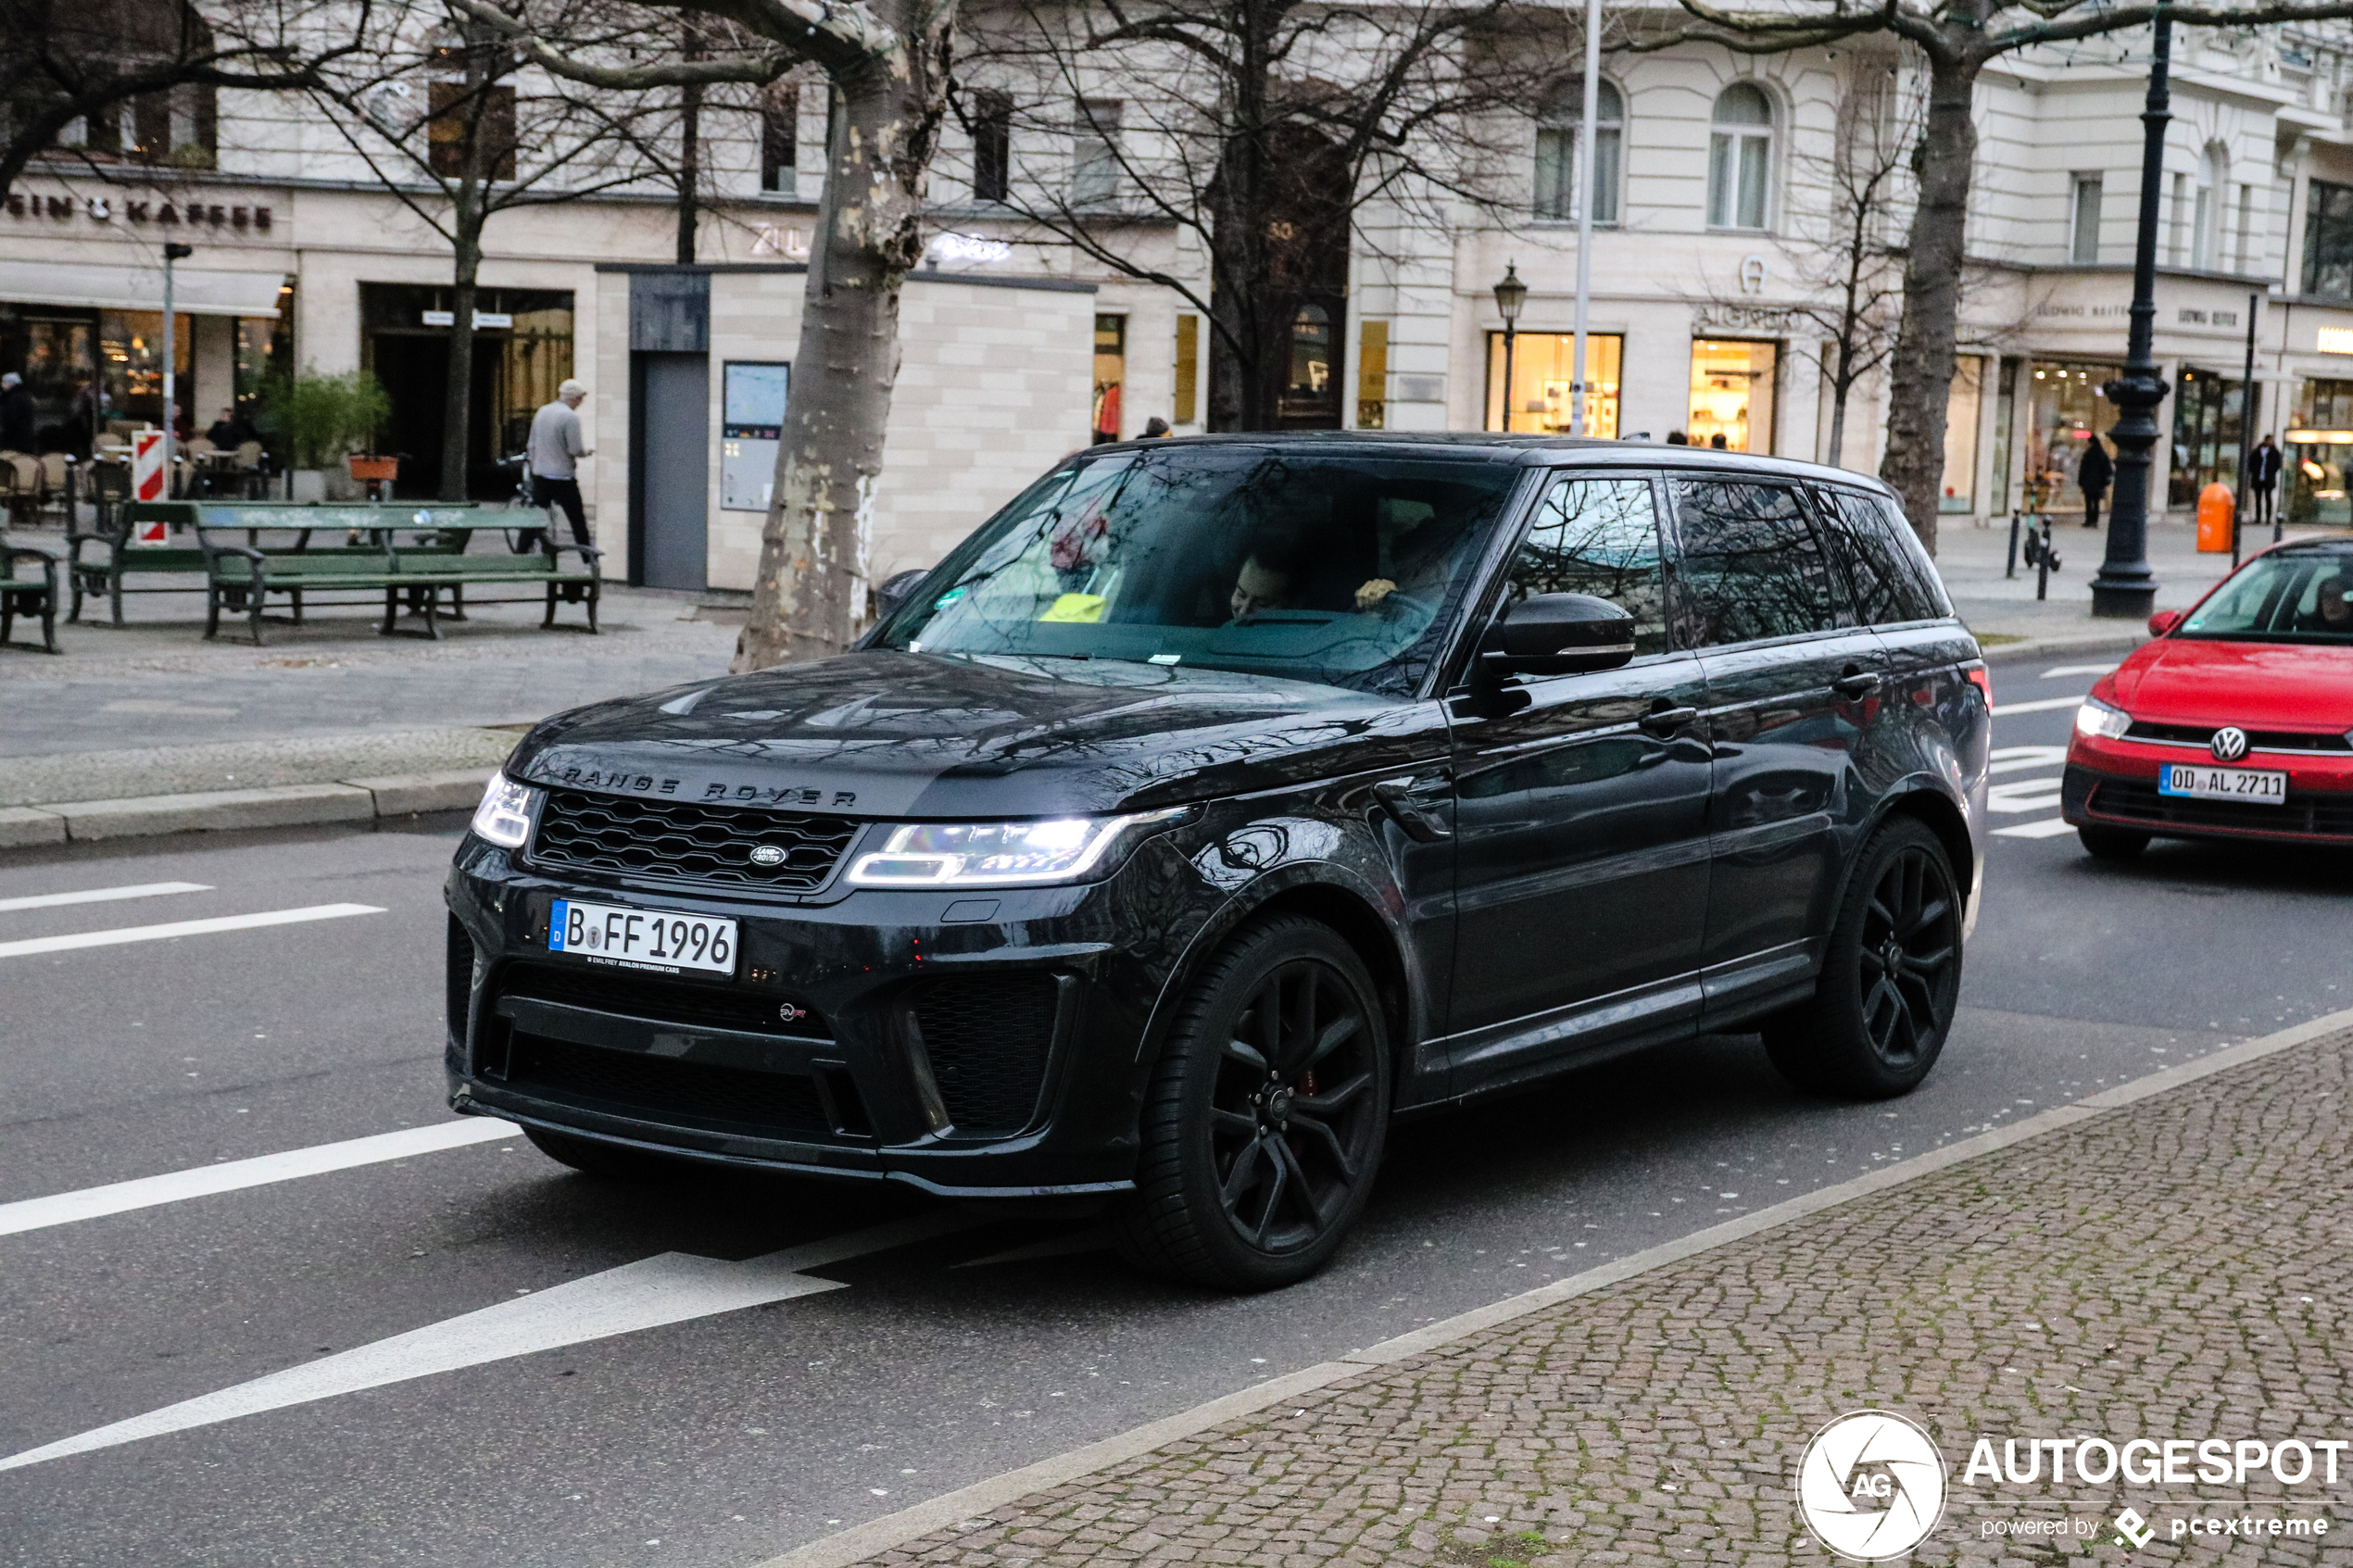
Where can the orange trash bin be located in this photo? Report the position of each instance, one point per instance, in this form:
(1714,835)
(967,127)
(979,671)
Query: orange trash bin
(2216,507)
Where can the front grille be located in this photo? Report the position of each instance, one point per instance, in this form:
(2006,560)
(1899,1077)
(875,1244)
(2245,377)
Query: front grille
(2262,740)
(2318,816)
(988,1036)
(625,991)
(679,841)
(659,1088)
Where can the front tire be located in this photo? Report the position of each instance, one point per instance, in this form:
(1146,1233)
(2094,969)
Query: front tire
(1266,1115)
(1890,980)
(2111,844)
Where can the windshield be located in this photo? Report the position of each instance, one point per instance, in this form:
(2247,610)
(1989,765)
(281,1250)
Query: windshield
(2288,596)
(1314,566)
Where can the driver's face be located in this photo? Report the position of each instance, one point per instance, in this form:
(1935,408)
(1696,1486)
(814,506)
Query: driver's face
(1258,587)
(2333,607)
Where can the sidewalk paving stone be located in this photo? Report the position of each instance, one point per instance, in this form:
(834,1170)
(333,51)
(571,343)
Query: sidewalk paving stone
(2180,1268)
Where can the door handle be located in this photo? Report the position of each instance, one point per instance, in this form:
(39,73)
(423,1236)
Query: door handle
(1419,823)
(1858,683)
(1666,721)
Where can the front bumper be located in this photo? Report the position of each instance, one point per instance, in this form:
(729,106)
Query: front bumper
(972,1044)
(2113,783)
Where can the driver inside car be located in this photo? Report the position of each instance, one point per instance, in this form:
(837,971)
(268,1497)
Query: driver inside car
(1268,579)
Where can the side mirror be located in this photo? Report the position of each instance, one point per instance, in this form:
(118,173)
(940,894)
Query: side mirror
(1558,635)
(895,589)
(2164,620)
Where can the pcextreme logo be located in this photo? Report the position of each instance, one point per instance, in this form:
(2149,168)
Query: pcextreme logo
(1870,1486)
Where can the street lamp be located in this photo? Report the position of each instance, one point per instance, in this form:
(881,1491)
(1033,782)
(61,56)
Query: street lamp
(2126,587)
(1510,294)
(171,252)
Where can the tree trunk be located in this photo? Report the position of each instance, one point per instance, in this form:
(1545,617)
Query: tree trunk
(810,596)
(1837,447)
(1238,234)
(1922,376)
(457,418)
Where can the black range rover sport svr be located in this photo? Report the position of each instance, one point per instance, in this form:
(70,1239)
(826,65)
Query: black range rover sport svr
(1220,799)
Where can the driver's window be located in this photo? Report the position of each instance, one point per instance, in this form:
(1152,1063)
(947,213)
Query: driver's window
(1597,536)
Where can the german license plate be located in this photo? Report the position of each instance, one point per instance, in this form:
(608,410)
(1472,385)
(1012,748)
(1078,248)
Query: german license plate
(651,939)
(2255,786)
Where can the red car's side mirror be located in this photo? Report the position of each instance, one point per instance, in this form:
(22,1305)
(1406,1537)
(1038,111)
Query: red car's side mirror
(2164,620)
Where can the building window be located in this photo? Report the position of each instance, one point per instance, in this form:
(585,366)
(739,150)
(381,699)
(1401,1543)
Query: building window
(2084,246)
(1543,370)
(1732,386)
(2328,240)
(993,147)
(2177,245)
(1111,374)
(1187,409)
(2206,233)
(457,112)
(1094,152)
(2246,229)
(1372,375)
(1739,157)
(780,138)
(1556,154)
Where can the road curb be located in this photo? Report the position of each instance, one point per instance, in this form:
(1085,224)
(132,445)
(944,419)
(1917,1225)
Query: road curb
(348,800)
(2119,643)
(975,1501)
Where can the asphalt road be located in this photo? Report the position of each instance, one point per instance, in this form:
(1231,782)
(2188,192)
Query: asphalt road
(730,1437)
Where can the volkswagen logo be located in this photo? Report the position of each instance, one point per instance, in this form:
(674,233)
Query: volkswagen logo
(2229,743)
(769,855)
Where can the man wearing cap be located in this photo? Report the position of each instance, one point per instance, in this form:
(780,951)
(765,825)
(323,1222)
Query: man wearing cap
(15,414)
(554,449)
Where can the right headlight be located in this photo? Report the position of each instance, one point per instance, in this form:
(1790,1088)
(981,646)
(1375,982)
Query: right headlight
(2097,718)
(505,813)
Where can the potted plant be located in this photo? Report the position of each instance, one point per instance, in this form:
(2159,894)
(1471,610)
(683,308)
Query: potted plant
(323,419)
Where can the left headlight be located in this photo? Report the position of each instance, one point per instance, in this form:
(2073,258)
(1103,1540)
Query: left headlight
(505,813)
(995,854)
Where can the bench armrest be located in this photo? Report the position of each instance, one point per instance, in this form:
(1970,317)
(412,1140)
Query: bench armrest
(49,553)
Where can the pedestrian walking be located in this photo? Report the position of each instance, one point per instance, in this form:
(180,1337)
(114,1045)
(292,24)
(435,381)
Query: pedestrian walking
(2263,467)
(2094,472)
(15,414)
(553,453)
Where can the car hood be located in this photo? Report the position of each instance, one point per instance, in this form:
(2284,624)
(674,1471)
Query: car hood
(2254,686)
(877,734)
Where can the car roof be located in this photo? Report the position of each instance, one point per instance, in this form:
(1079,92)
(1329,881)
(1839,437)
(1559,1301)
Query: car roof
(1526,451)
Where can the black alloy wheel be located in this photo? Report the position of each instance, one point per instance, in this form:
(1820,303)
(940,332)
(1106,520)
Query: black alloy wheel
(2111,844)
(1890,979)
(1267,1116)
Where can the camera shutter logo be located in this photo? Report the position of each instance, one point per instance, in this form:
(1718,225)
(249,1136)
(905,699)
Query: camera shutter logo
(1870,1486)
(767,854)
(2229,743)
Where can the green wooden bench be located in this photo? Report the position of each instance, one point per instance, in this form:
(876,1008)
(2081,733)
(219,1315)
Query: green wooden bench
(240,573)
(29,587)
(112,552)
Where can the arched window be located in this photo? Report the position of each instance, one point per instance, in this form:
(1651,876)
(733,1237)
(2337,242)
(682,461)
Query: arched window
(1740,158)
(2206,236)
(1556,154)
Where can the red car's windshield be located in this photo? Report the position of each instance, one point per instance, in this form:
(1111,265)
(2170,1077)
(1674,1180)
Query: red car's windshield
(2303,594)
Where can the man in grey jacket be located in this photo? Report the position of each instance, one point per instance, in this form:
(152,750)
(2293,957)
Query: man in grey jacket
(554,450)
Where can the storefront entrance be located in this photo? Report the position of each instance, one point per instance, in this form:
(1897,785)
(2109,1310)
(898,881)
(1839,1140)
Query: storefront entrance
(2065,409)
(1732,387)
(522,351)
(2207,420)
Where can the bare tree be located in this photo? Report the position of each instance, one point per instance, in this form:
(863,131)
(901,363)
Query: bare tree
(1253,131)
(68,63)
(888,62)
(1956,40)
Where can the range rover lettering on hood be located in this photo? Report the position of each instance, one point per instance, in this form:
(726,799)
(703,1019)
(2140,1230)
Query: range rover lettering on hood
(542,770)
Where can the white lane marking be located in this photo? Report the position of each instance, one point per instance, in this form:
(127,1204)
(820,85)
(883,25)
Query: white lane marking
(2056,671)
(2015,759)
(2022,794)
(2052,828)
(2040,705)
(182,928)
(146,1192)
(102,895)
(670,1287)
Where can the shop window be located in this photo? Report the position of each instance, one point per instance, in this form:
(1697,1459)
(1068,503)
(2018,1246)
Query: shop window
(2207,416)
(780,138)
(1111,373)
(993,147)
(1963,404)
(460,113)
(1094,152)
(1740,158)
(1556,154)
(1187,409)
(1372,375)
(2005,421)
(1732,387)
(2319,444)
(2084,246)
(1310,390)
(2066,408)
(2328,240)
(1543,370)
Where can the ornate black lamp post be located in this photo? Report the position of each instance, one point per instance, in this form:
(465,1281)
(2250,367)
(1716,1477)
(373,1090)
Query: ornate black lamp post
(2126,587)
(1510,294)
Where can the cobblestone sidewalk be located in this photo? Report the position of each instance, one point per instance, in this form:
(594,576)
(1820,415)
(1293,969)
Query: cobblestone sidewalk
(2176,1269)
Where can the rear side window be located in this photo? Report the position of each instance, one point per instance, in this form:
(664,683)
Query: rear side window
(1751,567)
(1597,536)
(1890,580)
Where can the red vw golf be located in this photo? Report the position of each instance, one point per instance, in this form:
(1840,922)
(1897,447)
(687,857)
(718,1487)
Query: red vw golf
(2236,723)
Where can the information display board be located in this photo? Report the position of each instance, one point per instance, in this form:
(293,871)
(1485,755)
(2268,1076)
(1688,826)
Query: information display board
(751,420)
